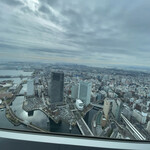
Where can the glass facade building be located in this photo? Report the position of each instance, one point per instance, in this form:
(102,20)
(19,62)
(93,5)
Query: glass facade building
(56,87)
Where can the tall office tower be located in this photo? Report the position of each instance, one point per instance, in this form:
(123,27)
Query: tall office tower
(56,87)
(106,107)
(84,92)
(148,127)
(30,88)
(74,91)
(49,88)
(116,109)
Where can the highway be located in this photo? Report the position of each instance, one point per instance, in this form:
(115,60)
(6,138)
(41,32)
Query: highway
(134,132)
(85,130)
(97,105)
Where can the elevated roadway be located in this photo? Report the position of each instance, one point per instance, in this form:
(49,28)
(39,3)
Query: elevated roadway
(97,105)
(132,129)
(85,130)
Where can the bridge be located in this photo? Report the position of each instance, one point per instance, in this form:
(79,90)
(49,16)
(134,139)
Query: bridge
(85,130)
(97,105)
(132,129)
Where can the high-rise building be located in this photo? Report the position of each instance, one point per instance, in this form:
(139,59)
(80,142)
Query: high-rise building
(30,88)
(116,109)
(74,91)
(148,127)
(84,92)
(49,88)
(106,107)
(56,87)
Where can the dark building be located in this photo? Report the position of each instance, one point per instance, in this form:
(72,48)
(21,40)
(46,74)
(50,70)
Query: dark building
(56,87)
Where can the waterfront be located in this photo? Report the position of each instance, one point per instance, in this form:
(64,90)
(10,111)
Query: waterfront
(35,91)
(14,73)
(37,111)
(39,118)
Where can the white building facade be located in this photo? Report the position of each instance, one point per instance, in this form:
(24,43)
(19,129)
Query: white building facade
(85,92)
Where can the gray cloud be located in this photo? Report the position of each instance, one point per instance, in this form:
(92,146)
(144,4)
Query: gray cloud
(44,9)
(12,2)
(94,32)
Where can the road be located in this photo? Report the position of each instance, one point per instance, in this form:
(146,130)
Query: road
(85,130)
(133,131)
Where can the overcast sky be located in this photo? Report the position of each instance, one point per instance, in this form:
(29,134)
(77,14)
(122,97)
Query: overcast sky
(90,32)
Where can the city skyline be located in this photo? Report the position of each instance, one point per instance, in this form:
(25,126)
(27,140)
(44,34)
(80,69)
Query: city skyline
(109,103)
(97,33)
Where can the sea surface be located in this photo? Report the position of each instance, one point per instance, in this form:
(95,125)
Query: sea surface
(14,73)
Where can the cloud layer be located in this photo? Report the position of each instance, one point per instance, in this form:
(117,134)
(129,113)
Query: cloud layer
(91,32)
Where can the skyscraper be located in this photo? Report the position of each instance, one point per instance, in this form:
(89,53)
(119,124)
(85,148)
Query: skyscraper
(148,127)
(56,87)
(106,107)
(30,88)
(49,88)
(74,91)
(116,109)
(85,92)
